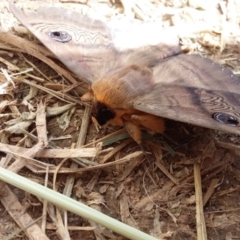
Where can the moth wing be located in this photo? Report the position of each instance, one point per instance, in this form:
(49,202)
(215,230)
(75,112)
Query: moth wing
(194,90)
(90,48)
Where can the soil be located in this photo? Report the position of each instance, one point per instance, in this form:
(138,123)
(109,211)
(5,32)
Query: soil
(137,192)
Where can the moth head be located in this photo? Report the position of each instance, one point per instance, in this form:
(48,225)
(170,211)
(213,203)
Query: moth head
(102,113)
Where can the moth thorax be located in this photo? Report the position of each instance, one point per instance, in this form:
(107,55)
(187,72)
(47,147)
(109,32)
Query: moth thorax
(122,86)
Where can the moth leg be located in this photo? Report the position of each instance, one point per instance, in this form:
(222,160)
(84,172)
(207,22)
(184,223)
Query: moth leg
(150,122)
(87,97)
(134,131)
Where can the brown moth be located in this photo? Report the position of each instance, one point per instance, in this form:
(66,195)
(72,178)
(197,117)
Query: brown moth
(137,74)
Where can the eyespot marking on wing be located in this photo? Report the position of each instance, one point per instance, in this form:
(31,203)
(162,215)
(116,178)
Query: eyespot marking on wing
(60,36)
(226,119)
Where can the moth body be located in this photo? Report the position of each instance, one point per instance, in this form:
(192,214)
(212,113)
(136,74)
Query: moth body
(113,96)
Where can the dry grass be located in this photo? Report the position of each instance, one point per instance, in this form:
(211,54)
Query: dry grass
(43,125)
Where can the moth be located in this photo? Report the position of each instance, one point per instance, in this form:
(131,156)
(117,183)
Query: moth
(138,75)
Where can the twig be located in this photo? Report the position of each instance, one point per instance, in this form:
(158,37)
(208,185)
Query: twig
(200,221)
